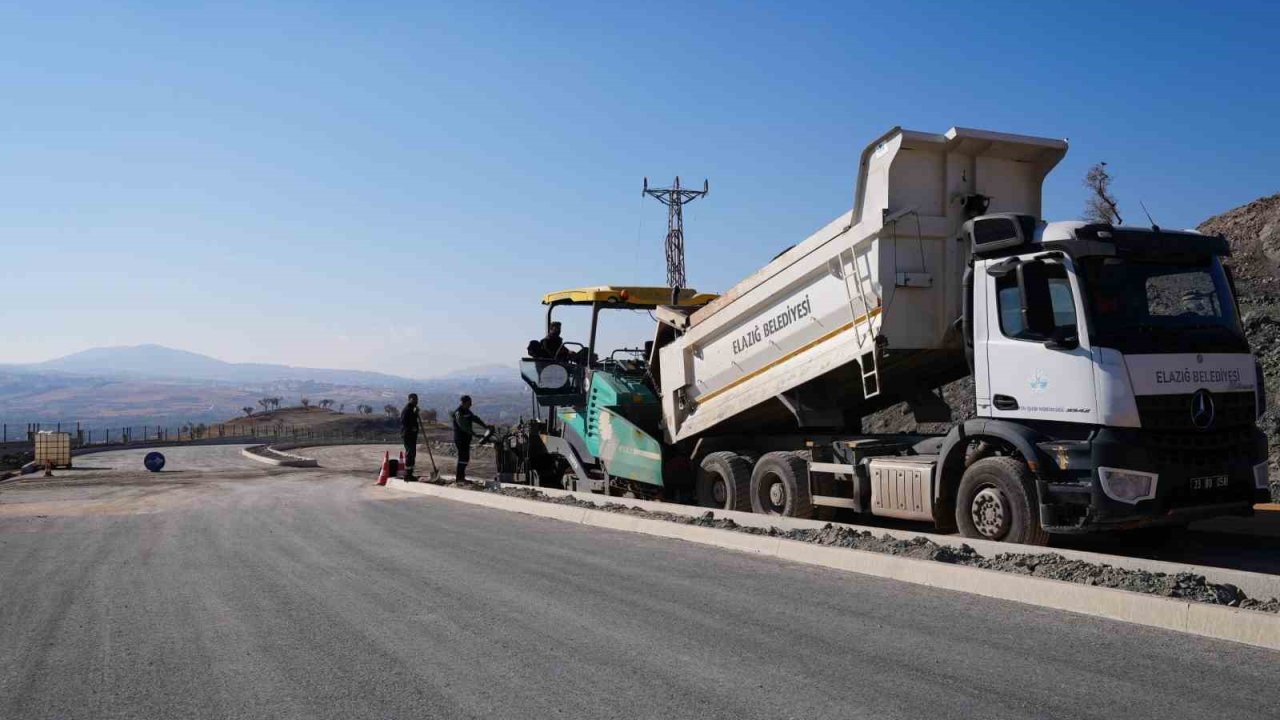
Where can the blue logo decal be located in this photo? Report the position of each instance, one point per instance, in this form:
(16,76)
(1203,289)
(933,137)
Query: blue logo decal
(1039,383)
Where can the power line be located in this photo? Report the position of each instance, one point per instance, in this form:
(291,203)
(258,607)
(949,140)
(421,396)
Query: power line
(675,198)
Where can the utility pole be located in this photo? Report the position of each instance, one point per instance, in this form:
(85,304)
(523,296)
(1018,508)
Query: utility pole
(675,198)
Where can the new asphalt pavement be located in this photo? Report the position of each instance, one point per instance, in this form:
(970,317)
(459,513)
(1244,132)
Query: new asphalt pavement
(228,589)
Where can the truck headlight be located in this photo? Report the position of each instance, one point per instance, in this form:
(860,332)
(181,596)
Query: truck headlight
(1260,479)
(1127,486)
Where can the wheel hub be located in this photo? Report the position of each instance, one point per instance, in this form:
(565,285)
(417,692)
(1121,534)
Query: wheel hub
(777,494)
(990,513)
(719,492)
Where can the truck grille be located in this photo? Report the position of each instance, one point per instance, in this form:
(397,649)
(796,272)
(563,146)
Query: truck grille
(1182,457)
(1173,412)
(1200,452)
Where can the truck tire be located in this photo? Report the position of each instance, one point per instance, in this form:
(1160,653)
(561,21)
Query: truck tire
(996,501)
(724,482)
(780,486)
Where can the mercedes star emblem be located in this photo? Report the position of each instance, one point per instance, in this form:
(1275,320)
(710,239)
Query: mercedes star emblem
(1202,409)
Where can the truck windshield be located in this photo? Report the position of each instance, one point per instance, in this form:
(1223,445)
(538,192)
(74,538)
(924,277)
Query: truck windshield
(1159,306)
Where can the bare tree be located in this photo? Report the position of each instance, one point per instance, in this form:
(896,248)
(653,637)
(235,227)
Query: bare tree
(1100,206)
(265,403)
(342,407)
(366,409)
(247,410)
(390,410)
(275,402)
(306,402)
(326,403)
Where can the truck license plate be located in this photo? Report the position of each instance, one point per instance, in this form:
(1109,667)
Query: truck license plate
(1209,482)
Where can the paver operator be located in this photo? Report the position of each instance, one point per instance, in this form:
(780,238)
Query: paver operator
(410,424)
(464,422)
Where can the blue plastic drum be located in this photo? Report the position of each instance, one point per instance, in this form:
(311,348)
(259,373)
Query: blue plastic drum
(154,461)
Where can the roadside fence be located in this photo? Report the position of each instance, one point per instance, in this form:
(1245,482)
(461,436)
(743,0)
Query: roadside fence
(82,436)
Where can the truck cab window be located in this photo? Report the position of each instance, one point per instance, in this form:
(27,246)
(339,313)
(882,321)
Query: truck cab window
(1009,301)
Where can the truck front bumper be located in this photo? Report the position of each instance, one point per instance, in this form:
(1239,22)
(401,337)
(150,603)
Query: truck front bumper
(1198,476)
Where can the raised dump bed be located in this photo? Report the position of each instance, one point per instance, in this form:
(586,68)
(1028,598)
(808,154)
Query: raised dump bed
(863,313)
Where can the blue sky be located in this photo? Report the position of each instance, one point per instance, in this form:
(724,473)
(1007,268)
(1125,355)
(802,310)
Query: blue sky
(392,186)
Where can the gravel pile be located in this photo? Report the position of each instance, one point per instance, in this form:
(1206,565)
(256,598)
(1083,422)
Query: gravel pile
(1184,586)
(1254,233)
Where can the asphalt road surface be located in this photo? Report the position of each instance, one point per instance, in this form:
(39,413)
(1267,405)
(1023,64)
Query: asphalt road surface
(178,459)
(254,592)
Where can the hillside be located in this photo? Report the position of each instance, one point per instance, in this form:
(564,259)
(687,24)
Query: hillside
(160,362)
(113,402)
(1254,233)
(330,424)
(155,385)
(317,419)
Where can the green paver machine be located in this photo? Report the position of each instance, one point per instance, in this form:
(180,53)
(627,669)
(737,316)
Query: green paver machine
(597,422)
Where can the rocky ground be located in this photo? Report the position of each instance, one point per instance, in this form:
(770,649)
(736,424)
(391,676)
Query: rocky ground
(1254,233)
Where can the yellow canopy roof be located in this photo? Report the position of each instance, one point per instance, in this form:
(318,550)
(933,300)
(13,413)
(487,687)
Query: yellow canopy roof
(626,297)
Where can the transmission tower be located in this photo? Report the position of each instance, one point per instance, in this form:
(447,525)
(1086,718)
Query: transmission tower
(675,198)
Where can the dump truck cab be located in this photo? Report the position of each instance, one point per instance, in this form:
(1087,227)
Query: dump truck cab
(1118,354)
(597,412)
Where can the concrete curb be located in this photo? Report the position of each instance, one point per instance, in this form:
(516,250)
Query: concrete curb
(271,456)
(1256,585)
(1213,621)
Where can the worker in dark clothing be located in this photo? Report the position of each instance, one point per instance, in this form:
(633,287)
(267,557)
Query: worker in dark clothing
(552,347)
(464,423)
(410,424)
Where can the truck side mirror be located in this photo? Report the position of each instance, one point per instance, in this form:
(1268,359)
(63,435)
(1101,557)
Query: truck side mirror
(1037,304)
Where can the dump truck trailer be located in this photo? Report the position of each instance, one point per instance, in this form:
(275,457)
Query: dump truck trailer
(1114,384)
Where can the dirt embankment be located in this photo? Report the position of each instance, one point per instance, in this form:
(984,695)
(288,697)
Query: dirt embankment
(1254,233)
(319,419)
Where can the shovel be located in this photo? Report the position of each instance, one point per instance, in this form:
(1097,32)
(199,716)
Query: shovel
(435,471)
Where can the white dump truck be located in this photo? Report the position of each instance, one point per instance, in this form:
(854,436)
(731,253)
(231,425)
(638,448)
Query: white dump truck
(1114,385)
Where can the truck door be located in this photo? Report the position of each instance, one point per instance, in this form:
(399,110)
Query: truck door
(1038,362)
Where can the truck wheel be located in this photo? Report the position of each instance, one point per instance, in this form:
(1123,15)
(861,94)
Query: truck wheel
(995,502)
(724,482)
(780,486)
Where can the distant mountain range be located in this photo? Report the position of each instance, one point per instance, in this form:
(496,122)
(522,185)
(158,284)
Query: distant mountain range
(157,362)
(153,384)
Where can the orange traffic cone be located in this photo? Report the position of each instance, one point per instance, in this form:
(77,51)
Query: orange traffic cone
(386,470)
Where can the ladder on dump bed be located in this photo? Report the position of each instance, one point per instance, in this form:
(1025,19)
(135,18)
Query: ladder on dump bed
(851,271)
